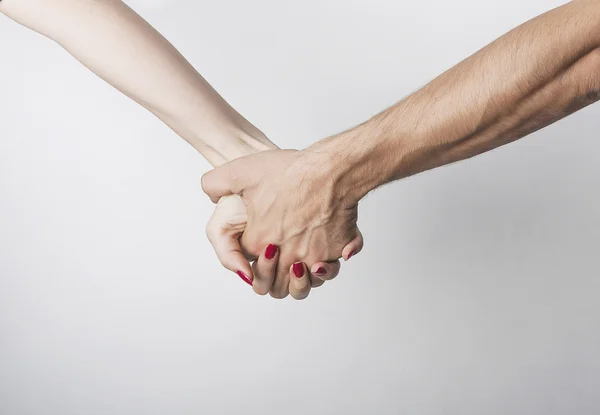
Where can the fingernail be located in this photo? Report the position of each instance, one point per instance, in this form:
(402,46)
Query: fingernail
(298,269)
(350,255)
(321,271)
(270,251)
(243,276)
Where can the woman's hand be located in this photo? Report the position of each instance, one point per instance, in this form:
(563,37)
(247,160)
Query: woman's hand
(124,50)
(224,230)
(292,203)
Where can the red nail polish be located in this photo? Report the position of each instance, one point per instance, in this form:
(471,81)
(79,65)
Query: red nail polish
(243,276)
(351,255)
(298,269)
(270,251)
(321,271)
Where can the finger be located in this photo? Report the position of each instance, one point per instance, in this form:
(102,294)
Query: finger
(230,255)
(222,181)
(249,246)
(325,271)
(316,282)
(354,246)
(223,230)
(281,284)
(264,269)
(299,281)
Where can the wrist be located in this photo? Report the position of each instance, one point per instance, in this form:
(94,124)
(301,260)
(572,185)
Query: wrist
(222,142)
(236,141)
(358,161)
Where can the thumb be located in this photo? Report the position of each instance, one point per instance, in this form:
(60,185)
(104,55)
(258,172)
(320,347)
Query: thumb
(229,252)
(354,246)
(221,181)
(223,230)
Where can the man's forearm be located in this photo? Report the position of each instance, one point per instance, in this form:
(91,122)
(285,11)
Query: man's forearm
(124,50)
(529,78)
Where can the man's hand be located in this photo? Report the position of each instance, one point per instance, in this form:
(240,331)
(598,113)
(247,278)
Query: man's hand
(293,203)
(224,229)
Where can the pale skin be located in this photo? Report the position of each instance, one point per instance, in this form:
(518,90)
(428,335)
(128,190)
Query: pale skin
(527,79)
(123,49)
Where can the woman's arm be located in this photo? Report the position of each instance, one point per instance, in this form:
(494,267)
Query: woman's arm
(124,50)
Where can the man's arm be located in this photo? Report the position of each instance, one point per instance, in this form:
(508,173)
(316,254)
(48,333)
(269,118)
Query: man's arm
(529,78)
(124,50)
(536,74)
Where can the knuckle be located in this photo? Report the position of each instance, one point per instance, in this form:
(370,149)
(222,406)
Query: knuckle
(250,243)
(227,264)
(204,182)
(300,295)
(278,294)
(211,231)
(327,277)
(258,289)
(316,282)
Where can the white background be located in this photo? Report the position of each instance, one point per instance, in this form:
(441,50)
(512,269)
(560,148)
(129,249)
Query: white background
(476,293)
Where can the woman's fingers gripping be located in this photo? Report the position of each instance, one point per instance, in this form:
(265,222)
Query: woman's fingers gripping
(265,268)
(299,281)
(223,230)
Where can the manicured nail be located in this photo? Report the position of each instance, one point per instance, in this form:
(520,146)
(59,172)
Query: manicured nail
(244,277)
(298,269)
(271,251)
(350,255)
(321,271)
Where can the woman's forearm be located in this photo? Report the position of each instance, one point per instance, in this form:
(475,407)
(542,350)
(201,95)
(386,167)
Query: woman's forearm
(124,50)
(529,78)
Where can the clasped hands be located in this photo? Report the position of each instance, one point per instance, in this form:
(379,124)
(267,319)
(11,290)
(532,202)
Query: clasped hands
(282,211)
